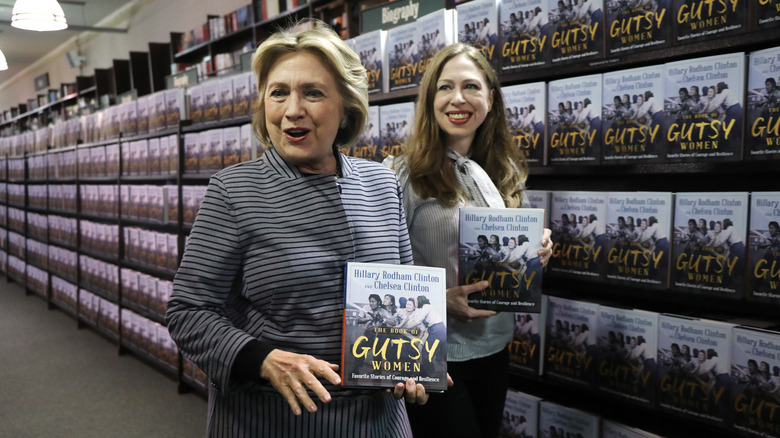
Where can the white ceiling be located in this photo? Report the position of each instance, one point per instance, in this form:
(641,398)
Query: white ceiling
(23,47)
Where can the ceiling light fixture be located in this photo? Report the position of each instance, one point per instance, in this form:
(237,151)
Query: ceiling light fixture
(40,15)
(3,62)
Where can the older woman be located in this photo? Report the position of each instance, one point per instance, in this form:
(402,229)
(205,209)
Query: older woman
(257,312)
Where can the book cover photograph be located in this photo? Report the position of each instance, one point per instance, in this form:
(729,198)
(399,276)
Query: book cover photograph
(435,31)
(476,25)
(525,34)
(626,359)
(367,145)
(526,106)
(370,47)
(402,57)
(577,30)
(766,14)
(638,251)
(764,242)
(570,345)
(762,137)
(539,199)
(633,26)
(708,250)
(694,357)
(700,19)
(632,116)
(395,320)
(525,349)
(703,104)
(560,421)
(575,131)
(500,246)
(521,415)
(755,376)
(578,233)
(396,123)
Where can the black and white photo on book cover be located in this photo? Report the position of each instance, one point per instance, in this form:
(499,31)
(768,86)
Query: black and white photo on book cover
(637,25)
(476,26)
(395,319)
(755,376)
(762,136)
(500,246)
(570,344)
(764,248)
(579,235)
(524,36)
(526,106)
(574,120)
(577,28)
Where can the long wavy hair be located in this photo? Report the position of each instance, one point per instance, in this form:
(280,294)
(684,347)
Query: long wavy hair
(430,172)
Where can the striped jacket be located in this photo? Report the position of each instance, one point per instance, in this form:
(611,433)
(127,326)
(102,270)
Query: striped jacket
(265,261)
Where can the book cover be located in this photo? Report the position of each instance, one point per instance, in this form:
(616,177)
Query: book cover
(766,14)
(575,131)
(764,242)
(232,140)
(500,246)
(539,199)
(215,149)
(762,137)
(402,57)
(142,113)
(570,348)
(226,98)
(159,115)
(755,376)
(173,252)
(196,103)
(367,145)
(191,152)
(173,155)
(524,36)
(694,358)
(525,349)
(435,31)
(175,106)
(526,106)
(626,360)
(560,421)
(211,100)
(153,159)
(641,25)
(579,235)
(386,343)
(638,250)
(246,142)
(164,156)
(476,24)
(521,415)
(242,103)
(708,250)
(632,116)
(577,30)
(396,124)
(703,103)
(701,19)
(612,429)
(370,47)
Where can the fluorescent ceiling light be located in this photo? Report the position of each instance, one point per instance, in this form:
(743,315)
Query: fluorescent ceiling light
(40,15)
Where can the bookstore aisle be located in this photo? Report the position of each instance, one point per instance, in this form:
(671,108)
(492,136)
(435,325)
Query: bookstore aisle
(60,381)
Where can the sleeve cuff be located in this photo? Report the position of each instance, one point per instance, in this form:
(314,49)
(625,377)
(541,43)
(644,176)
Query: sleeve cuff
(249,360)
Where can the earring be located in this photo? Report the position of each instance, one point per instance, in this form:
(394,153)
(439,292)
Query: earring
(343,124)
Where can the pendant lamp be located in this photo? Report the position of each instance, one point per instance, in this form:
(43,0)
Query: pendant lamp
(40,15)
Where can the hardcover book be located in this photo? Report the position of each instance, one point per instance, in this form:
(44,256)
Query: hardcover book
(232,140)
(524,36)
(632,116)
(539,199)
(226,98)
(626,358)
(575,132)
(158,114)
(703,103)
(210,100)
(176,108)
(764,241)
(766,14)
(579,235)
(762,138)
(611,429)
(638,228)
(525,349)
(694,357)
(396,124)
(570,349)
(196,103)
(387,341)
(402,58)
(370,47)
(633,26)
(242,103)
(191,152)
(755,376)
(701,19)
(708,250)
(526,106)
(561,421)
(476,25)
(500,246)
(143,114)
(521,415)
(577,30)
(153,159)
(367,145)
(435,31)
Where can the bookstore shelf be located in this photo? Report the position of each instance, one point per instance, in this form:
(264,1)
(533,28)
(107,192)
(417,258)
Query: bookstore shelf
(146,357)
(102,293)
(152,270)
(64,307)
(205,126)
(146,313)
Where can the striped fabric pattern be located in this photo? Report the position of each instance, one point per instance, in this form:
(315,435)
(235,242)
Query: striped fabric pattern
(265,261)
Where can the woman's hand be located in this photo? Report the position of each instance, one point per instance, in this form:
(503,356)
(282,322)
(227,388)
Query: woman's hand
(547,244)
(458,305)
(412,392)
(291,373)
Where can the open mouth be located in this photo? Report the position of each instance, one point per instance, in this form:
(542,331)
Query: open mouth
(459,117)
(296,133)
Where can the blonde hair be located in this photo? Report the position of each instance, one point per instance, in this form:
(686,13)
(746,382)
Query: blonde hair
(493,148)
(317,38)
